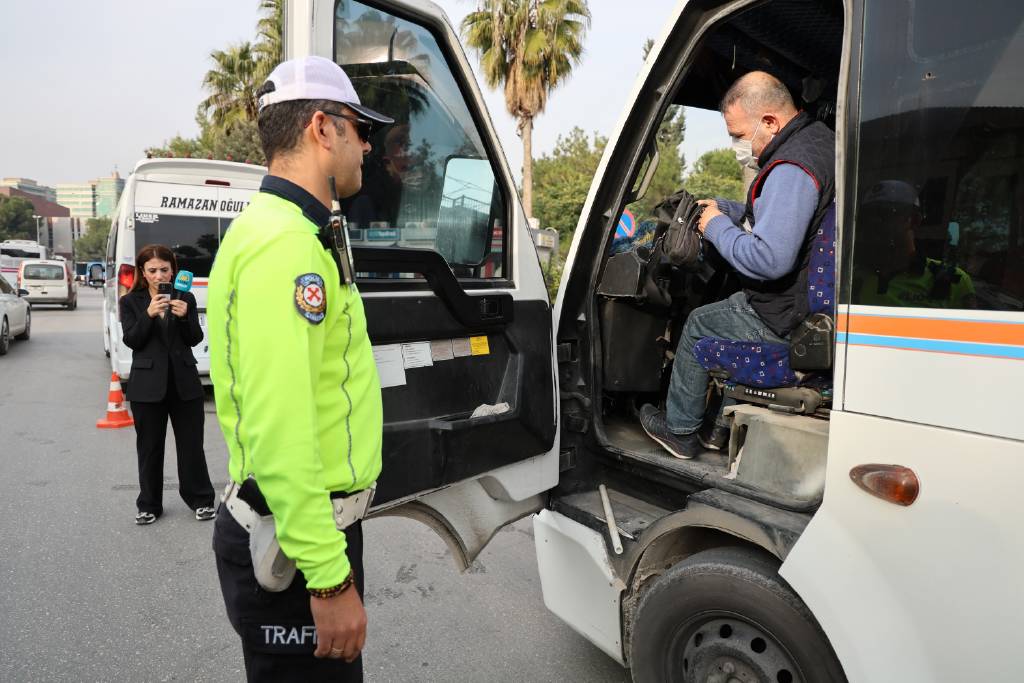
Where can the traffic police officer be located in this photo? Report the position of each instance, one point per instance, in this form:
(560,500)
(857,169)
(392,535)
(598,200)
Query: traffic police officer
(297,391)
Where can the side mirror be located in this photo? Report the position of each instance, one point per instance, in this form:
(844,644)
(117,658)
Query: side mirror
(464,228)
(22,292)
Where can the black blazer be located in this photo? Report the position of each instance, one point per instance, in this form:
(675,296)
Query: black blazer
(154,351)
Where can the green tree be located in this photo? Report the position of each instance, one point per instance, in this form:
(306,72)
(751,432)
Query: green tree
(16,221)
(93,244)
(227,117)
(716,174)
(528,47)
(564,177)
(182,148)
(232,86)
(269,45)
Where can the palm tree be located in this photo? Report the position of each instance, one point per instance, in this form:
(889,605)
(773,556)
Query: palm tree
(529,47)
(232,86)
(269,46)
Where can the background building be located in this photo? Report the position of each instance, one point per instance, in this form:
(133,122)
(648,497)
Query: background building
(42,207)
(59,234)
(108,192)
(80,198)
(94,199)
(29,186)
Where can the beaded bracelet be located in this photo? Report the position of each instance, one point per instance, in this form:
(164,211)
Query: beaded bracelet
(333,590)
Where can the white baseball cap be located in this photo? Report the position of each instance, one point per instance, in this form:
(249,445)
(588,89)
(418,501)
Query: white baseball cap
(892,192)
(313,78)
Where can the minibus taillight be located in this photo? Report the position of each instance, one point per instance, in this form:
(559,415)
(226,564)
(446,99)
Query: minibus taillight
(125,279)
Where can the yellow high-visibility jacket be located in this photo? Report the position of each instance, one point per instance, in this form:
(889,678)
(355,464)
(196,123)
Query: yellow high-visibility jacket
(297,391)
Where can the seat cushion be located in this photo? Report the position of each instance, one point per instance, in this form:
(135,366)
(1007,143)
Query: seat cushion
(821,269)
(756,364)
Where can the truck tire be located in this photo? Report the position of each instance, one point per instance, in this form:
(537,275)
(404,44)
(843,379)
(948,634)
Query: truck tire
(723,615)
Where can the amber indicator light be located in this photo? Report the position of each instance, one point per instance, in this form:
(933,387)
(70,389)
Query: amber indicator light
(892,483)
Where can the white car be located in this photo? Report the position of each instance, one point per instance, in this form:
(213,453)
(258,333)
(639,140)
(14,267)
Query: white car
(48,281)
(15,315)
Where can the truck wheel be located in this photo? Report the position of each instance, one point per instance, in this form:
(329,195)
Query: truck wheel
(726,615)
(5,337)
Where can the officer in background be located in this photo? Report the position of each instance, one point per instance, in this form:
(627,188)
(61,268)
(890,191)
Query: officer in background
(297,391)
(888,268)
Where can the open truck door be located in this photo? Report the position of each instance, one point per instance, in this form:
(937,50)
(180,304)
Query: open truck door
(455,300)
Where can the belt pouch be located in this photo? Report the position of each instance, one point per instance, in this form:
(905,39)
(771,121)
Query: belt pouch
(274,571)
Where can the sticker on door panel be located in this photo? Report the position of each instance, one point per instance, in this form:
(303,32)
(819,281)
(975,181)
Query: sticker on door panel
(417,355)
(461,347)
(441,349)
(479,346)
(390,365)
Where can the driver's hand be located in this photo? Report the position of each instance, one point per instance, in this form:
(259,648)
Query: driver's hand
(710,211)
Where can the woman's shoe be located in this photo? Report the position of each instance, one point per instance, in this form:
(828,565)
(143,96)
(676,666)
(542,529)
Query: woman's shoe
(145,518)
(205,514)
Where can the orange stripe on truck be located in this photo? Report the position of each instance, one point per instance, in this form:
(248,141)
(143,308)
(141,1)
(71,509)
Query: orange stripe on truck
(976,331)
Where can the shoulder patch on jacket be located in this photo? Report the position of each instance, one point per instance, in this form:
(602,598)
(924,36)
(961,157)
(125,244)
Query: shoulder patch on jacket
(311,297)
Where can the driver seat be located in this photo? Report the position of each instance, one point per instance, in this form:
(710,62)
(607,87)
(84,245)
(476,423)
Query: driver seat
(794,377)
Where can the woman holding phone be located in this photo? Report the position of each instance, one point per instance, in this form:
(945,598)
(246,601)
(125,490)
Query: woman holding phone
(161,326)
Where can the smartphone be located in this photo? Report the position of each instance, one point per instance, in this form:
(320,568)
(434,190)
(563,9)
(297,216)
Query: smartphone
(164,288)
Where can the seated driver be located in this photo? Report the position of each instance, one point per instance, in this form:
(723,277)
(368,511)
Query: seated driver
(785,204)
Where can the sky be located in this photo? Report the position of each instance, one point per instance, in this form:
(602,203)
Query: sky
(89,86)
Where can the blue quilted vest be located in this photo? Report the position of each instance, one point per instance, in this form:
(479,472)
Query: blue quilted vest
(783,303)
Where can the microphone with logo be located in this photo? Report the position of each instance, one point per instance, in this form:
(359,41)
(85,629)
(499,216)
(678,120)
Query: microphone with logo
(182,283)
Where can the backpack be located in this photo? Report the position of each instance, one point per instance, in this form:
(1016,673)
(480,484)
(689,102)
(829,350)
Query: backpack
(678,216)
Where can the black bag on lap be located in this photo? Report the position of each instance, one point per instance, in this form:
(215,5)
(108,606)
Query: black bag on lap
(678,216)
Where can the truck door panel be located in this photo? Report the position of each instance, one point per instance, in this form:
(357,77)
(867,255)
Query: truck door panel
(455,300)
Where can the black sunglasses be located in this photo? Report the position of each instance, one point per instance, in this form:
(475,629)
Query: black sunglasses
(364,127)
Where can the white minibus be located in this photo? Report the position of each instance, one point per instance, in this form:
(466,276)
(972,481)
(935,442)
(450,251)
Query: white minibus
(13,252)
(186,205)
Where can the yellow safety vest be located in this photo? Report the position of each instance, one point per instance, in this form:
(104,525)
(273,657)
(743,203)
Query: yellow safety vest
(297,392)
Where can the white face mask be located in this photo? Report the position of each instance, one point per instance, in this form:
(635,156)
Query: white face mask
(743,150)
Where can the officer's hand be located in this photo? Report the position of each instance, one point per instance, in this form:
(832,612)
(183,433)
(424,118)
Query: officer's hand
(710,211)
(157,305)
(340,625)
(179,307)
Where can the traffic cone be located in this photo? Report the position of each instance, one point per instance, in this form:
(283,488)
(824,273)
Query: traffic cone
(117,413)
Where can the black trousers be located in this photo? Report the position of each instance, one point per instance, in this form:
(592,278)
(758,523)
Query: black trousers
(277,630)
(187,419)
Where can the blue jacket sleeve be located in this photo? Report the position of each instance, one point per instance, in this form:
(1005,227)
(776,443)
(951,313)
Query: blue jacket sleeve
(733,209)
(782,215)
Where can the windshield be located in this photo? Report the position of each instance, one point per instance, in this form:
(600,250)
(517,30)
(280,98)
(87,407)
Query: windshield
(193,239)
(427,182)
(43,272)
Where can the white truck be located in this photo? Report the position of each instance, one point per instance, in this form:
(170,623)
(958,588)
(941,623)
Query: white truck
(861,527)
